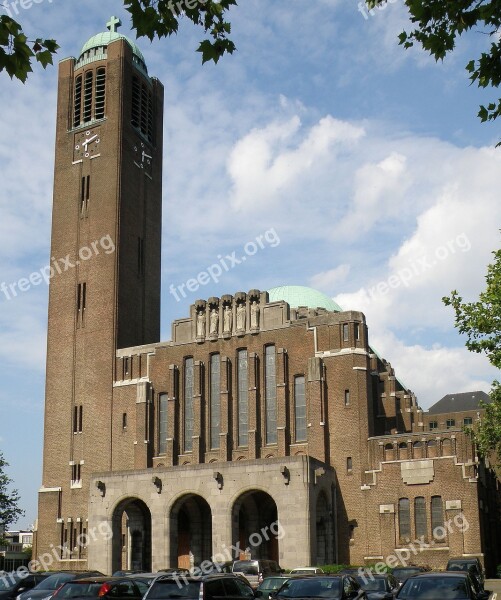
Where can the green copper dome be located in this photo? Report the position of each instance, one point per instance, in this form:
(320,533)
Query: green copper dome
(96,47)
(298,295)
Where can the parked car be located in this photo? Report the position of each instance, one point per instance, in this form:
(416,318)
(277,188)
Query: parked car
(379,587)
(224,586)
(272,584)
(472,565)
(255,571)
(126,572)
(337,587)
(13,584)
(440,586)
(119,588)
(46,588)
(307,571)
(402,573)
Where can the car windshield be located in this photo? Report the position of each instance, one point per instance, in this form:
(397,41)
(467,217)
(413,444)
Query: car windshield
(459,566)
(84,589)
(170,588)
(247,568)
(55,581)
(372,584)
(7,582)
(318,587)
(426,588)
(404,573)
(271,583)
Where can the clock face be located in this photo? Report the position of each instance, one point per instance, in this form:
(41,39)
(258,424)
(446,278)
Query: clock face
(87,144)
(143,158)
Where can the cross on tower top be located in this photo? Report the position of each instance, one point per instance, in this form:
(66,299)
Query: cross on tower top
(113,24)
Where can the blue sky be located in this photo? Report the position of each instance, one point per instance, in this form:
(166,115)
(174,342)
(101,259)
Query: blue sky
(365,161)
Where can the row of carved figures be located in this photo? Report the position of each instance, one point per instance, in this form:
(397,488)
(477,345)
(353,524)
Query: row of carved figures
(227,319)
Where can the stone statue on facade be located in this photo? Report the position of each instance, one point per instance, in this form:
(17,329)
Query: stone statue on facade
(214,322)
(228,319)
(255,310)
(241,316)
(201,324)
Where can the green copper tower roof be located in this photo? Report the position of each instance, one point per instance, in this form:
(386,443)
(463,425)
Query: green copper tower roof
(298,295)
(95,47)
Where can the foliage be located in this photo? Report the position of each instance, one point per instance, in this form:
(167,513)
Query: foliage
(9,508)
(480,321)
(439,23)
(28,551)
(150,18)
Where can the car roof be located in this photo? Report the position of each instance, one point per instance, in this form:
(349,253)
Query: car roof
(100,579)
(435,575)
(189,577)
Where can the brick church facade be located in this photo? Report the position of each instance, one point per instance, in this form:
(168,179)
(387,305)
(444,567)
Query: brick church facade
(266,427)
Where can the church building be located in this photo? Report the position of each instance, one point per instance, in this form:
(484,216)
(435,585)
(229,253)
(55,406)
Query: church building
(266,427)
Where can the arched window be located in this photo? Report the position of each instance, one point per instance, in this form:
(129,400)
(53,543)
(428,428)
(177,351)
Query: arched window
(431,446)
(99,104)
(243,398)
(77,103)
(188,404)
(389,453)
(271,394)
(300,408)
(162,423)
(437,518)
(404,519)
(87,97)
(403,452)
(215,400)
(420,516)
(417,449)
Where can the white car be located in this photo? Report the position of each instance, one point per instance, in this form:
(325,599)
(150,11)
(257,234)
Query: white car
(307,571)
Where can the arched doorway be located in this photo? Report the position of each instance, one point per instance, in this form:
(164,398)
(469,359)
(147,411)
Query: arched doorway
(191,531)
(255,526)
(131,536)
(324,531)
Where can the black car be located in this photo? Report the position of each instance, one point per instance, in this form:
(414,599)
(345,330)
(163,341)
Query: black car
(472,565)
(13,584)
(119,588)
(220,586)
(338,587)
(271,584)
(441,586)
(46,588)
(402,573)
(379,587)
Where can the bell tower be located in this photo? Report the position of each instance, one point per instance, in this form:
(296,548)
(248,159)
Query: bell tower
(105,269)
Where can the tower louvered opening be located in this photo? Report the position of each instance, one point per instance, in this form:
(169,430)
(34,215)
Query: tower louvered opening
(100,100)
(142,108)
(87,112)
(77,107)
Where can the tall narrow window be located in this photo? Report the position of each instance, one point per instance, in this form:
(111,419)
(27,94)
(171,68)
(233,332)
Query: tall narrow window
(80,418)
(300,409)
(243,398)
(215,401)
(100,93)
(84,195)
(142,108)
(162,423)
(188,404)
(77,107)
(87,112)
(346,397)
(124,420)
(437,517)
(420,516)
(81,302)
(349,464)
(140,256)
(357,331)
(271,395)
(75,419)
(345,332)
(136,102)
(404,519)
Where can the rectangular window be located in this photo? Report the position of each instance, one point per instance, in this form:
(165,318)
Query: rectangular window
(433,425)
(437,517)
(100,93)
(346,397)
(243,398)
(404,520)
(215,401)
(300,409)
(80,418)
(188,404)
(84,195)
(77,108)
(346,336)
(81,302)
(75,419)
(162,423)
(87,112)
(450,423)
(271,395)
(420,516)
(349,464)
(467,421)
(357,331)
(140,256)
(124,421)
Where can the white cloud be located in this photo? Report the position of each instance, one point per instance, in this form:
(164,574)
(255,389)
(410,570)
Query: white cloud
(327,281)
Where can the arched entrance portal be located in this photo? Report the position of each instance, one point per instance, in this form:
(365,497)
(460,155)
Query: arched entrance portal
(191,531)
(255,526)
(131,536)
(324,533)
